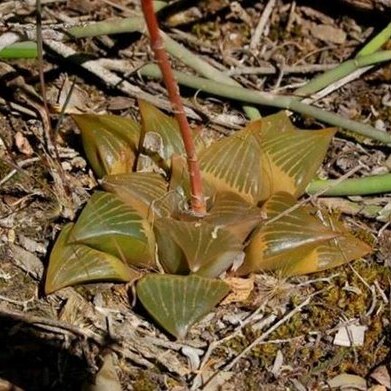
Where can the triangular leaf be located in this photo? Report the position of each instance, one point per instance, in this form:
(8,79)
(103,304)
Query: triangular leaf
(199,247)
(177,302)
(72,264)
(290,156)
(233,164)
(109,141)
(342,249)
(144,191)
(267,156)
(294,241)
(233,213)
(154,120)
(109,225)
(286,237)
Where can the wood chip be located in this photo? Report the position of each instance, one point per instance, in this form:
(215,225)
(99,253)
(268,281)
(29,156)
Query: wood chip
(377,388)
(23,144)
(277,365)
(382,376)
(31,245)
(26,260)
(328,33)
(351,335)
(193,355)
(5,385)
(106,379)
(120,103)
(347,382)
(218,382)
(75,100)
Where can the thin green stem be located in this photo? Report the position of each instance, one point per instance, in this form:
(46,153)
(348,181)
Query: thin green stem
(174,48)
(40,61)
(26,49)
(107,27)
(318,83)
(204,68)
(376,42)
(341,71)
(261,98)
(367,57)
(114,26)
(374,184)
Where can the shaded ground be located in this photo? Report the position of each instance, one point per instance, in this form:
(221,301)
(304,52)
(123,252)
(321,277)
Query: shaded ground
(58,342)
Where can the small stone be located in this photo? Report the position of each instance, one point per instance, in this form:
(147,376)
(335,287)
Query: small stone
(379,124)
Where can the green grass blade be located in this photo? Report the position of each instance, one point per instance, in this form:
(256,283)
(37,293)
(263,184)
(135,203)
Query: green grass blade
(374,184)
(26,49)
(376,42)
(261,98)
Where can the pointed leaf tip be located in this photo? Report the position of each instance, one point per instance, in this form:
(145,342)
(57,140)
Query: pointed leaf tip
(232,212)
(107,224)
(267,156)
(290,156)
(293,241)
(233,164)
(144,191)
(72,264)
(177,302)
(109,141)
(154,120)
(197,247)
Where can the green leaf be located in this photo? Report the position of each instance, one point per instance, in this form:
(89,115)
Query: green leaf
(233,164)
(144,191)
(235,214)
(290,156)
(267,156)
(109,225)
(25,49)
(341,250)
(197,247)
(177,302)
(109,141)
(153,120)
(295,241)
(72,264)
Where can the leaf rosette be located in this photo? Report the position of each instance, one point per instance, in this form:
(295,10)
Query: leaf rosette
(140,223)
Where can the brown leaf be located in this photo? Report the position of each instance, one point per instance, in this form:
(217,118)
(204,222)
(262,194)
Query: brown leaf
(240,289)
(23,144)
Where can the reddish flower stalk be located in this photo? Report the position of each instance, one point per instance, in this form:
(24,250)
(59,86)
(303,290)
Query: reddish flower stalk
(197,199)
